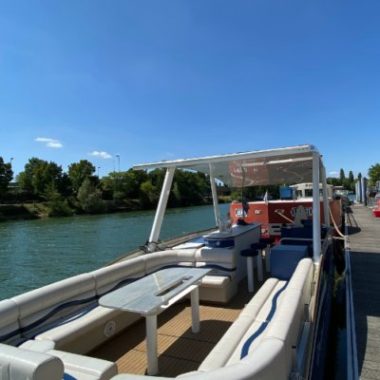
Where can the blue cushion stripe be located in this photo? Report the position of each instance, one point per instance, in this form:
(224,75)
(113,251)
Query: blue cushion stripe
(84,301)
(58,309)
(263,326)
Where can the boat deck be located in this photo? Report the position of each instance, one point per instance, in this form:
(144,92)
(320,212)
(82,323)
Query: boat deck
(179,349)
(364,241)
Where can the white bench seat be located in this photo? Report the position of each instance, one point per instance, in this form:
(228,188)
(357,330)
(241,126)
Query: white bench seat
(78,367)
(274,313)
(91,329)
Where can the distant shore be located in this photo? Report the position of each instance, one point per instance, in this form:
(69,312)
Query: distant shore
(40,210)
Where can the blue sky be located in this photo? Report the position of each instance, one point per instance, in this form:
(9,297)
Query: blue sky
(152,80)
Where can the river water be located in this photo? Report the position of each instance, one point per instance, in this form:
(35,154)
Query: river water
(34,253)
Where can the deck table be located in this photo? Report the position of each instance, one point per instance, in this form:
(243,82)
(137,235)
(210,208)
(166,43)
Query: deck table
(154,293)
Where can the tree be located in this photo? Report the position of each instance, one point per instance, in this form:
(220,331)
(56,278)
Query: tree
(78,172)
(148,194)
(90,198)
(342,176)
(124,185)
(374,174)
(6,176)
(58,205)
(189,189)
(39,175)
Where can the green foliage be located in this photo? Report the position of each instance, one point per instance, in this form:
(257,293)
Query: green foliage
(90,198)
(6,175)
(149,194)
(342,176)
(374,174)
(78,172)
(123,185)
(347,182)
(189,189)
(255,193)
(58,205)
(39,176)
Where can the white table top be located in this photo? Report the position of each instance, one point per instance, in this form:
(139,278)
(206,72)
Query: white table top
(146,295)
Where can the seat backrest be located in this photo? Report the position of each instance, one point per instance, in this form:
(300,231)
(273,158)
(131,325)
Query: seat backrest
(222,261)
(45,307)
(17,363)
(9,327)
(173,257)
(285,258)
(112,276)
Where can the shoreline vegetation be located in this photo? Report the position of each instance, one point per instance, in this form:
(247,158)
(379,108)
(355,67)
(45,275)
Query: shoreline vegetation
(43,189)
(40,210)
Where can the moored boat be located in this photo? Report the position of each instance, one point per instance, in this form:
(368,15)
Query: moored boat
(278,331)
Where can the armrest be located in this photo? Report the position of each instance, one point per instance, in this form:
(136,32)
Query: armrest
(18,363)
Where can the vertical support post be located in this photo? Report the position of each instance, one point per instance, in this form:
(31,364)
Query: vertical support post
(316,210)
(163,201)
(215,197)
(250,274)
(360,189)
(364,192)
(151,343)
(326,208)
(194,296)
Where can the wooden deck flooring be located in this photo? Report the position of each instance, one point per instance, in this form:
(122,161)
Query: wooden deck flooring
(179,349)
(364,242)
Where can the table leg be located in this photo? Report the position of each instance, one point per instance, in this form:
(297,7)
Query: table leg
(195,310)
(151,343)
(250,274)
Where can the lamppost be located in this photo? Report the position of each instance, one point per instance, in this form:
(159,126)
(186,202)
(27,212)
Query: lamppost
(99,172)
(118,162)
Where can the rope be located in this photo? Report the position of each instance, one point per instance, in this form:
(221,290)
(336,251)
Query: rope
(335,225)
(279,212)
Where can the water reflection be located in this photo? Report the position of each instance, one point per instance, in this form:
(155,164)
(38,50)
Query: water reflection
(37,252)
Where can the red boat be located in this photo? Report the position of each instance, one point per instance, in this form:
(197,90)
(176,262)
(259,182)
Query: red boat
(273,214)
(376,210)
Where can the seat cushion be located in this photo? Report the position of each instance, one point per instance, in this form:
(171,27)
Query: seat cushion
(18,363)
(285,258)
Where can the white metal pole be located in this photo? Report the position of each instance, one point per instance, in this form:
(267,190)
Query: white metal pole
(214,197)
(194,296)
(160,212)
(151,343)
(326,208)
(316,210)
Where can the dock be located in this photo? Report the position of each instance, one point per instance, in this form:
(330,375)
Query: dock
(364,243)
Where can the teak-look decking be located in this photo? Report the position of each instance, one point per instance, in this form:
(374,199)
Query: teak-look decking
(179,349)
(364,239)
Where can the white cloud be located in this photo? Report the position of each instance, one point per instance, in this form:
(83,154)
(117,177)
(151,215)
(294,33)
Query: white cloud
(100,154)
(49,143)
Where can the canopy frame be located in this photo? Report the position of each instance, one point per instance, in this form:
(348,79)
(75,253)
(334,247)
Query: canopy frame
(303,161)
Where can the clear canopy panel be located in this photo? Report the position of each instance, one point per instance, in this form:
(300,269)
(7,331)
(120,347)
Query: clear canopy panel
(264,167)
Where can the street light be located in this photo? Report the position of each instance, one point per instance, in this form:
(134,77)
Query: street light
(98,171)
(118,162)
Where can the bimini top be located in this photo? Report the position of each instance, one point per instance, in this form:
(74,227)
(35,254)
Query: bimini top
(262,167)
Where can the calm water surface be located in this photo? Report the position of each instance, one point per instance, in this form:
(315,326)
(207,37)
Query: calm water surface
(38,252)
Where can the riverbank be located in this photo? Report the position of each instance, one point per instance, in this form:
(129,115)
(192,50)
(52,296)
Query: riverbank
(41,210)
(20,212)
